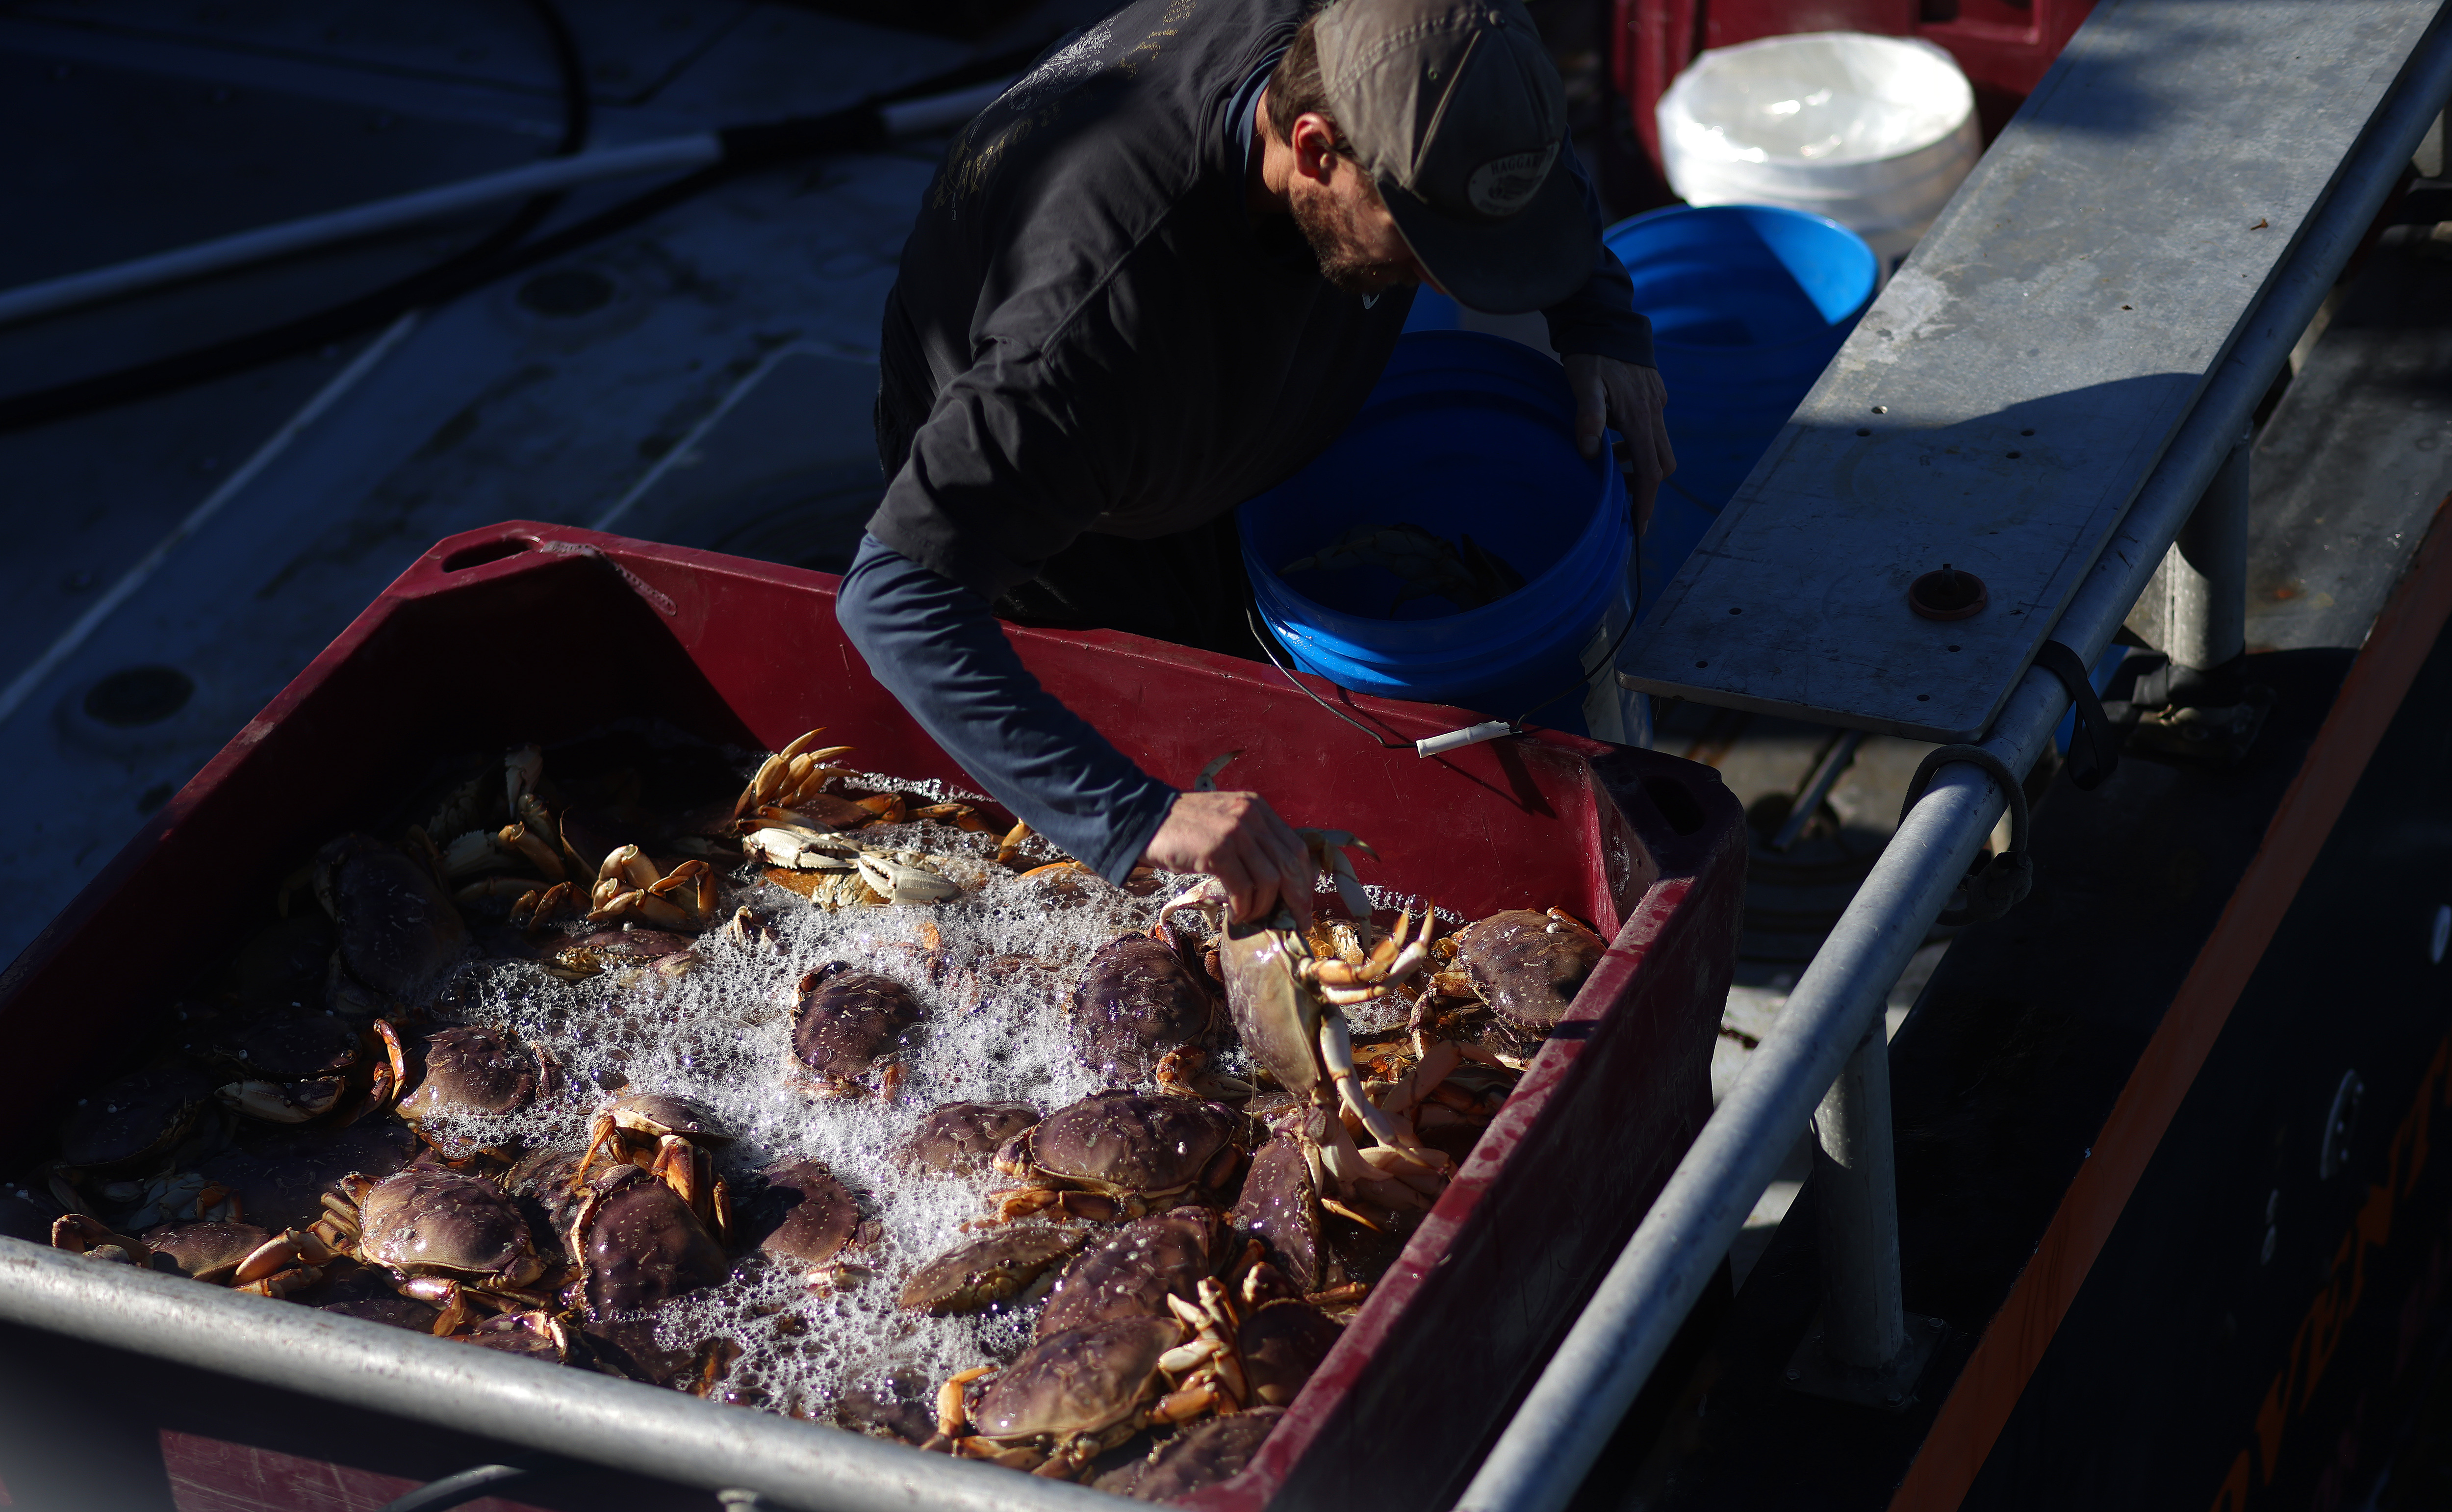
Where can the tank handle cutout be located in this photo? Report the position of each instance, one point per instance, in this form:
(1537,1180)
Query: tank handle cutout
(1675,804)
(480,552)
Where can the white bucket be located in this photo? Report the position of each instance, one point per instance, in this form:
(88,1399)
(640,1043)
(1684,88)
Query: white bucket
(1875,133)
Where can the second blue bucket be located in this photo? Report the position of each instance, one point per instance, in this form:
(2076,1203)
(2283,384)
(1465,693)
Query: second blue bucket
(1749,302)
(1466,434)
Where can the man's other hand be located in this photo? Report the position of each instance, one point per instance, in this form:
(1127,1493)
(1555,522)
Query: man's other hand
(1608,393)
(1240,839)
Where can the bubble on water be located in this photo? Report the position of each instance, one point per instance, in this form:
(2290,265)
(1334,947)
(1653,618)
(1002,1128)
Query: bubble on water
(995,970)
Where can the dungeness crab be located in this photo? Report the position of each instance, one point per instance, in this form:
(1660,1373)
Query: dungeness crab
(1528,966)
(1286,1004)
(1119,1154)
(846,1026)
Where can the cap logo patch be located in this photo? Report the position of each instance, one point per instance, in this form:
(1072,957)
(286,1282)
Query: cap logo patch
(1506,184)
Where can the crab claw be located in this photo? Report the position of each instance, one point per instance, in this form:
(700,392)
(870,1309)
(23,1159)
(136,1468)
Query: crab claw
(283,1102)
(689,886)
(801,849)
(1009,849)
(517,839)
(898,882)
(1208,895)
(521,766)
(1207,781)
(472,852)
(1328,846)
(84,1234)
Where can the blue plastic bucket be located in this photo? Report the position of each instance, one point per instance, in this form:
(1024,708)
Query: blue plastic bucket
(1465,434)
(1749,302)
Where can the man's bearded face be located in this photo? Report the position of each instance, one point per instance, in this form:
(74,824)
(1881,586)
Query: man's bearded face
(1350,232)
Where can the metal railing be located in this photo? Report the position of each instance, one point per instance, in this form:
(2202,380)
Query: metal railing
(1834,1015)
(574,1414)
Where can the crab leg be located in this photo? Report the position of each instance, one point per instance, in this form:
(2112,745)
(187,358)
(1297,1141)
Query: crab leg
(1336,1053)
(1350,1172)
(951,1418)
(1437,1063)
(519,839)
(281,1284)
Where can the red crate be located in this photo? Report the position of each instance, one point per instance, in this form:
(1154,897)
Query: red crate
(527,632)
(2005,46)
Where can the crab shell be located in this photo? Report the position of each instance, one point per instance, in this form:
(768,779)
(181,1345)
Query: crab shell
(1126,1144)
(1203,1454)
(1134,1270)
(292,1048)
(607,950)
(1277,1014)
(1135,1002)
(131,1123)
(980,1272)
(805,1217)
(549,1179)
(205,1249)
(425,1222)
(469,1070)
(1079,1383)
(844,1021)
(901,1404)
(400,933)
(659,1113)
(1281,1343)
(1528,966)
(1280,1206)
(958,1139)
(639,1245)
(280,1183)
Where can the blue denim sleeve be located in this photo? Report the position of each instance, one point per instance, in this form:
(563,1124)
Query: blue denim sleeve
(1599,319)
(935,645)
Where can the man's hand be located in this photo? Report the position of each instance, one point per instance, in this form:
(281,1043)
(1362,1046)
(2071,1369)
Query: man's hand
(1611,392)
(1240,839)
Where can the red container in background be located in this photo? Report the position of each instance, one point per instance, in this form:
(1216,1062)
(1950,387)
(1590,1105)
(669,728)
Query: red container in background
(2004,46)
(536,632)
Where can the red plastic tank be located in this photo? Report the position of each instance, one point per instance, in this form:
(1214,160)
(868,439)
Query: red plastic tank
(527,632)
(2004,46)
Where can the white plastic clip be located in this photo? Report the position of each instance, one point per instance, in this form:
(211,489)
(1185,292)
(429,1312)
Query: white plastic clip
(1459,739)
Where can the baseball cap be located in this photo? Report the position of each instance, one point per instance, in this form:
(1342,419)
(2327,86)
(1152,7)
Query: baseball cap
(1455,110)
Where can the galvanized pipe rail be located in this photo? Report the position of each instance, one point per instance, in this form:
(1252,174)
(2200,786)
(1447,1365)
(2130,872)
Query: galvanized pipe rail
(574,1414)
(1551,1443)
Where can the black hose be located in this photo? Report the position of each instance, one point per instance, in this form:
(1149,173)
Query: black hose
(452,1490)
(746,148)
(237,353)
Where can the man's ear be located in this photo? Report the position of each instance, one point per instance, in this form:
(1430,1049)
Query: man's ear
(1314,146)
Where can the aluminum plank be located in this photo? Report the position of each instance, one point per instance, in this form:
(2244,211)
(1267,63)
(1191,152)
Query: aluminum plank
(2012,388)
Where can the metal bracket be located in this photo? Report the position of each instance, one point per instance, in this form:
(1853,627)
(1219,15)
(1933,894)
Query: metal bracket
(1888,1387)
